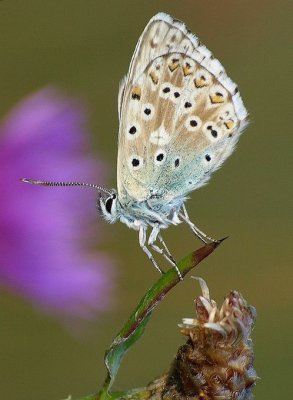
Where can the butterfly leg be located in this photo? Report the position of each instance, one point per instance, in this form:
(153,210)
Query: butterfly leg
(142,240)
(166,248)
(164,252)
(201,235)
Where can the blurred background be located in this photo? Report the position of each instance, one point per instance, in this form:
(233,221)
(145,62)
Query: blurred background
(85,48)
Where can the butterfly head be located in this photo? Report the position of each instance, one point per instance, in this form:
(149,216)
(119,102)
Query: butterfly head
(107,206)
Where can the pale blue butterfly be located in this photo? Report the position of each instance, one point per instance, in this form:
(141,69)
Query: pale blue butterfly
(180,118)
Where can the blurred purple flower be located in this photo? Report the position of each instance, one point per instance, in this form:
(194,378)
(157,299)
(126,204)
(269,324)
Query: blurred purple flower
(45,233)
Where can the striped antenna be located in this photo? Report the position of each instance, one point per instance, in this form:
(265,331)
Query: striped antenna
(46,183)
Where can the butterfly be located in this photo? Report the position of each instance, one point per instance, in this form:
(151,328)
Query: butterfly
(180,117)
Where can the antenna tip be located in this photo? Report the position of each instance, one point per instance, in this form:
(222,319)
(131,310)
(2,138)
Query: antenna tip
(31,181)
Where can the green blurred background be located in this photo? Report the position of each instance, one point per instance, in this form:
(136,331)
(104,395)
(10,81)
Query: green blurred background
(85,47)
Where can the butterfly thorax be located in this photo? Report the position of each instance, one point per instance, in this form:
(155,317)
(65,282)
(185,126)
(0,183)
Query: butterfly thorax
(148,212)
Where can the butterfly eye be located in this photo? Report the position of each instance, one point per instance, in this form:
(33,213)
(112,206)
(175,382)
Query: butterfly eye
(108,204)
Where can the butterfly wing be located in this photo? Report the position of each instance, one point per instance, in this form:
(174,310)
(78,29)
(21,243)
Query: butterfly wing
(180,115)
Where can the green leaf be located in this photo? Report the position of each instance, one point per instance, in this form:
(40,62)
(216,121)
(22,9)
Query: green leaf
(135,326)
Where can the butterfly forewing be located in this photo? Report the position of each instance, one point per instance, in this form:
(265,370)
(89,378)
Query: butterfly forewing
(180,115)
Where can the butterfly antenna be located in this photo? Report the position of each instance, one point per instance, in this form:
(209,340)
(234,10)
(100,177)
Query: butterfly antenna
(46,183)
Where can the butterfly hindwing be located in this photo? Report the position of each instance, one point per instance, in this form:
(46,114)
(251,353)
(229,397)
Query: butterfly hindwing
(180,115)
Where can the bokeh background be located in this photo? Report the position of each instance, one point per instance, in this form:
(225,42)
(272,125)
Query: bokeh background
(85,48)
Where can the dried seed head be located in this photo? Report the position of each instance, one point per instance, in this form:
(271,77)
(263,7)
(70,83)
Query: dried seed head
(217,360)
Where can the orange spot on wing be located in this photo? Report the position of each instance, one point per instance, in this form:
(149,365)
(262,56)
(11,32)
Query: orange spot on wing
(154,78)
(200,83)
(187,69)
(174,65)
(136,93)
(229,124)
(217,98)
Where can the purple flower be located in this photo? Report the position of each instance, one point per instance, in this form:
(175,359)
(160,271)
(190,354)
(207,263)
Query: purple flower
(45,233)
